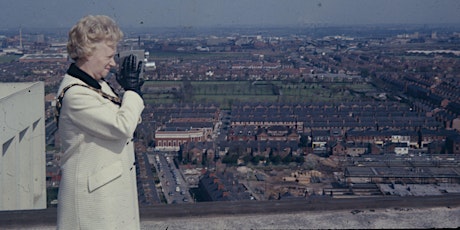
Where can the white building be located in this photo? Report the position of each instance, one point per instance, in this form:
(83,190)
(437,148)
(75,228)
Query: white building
(22,136)
(172,140)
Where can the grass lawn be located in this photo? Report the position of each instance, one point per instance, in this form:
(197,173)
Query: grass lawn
(8,58)
(226,93)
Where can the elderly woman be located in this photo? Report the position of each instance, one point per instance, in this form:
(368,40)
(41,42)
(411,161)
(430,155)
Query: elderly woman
(98,185)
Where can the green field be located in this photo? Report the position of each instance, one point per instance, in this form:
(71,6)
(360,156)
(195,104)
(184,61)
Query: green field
(9,58)
(226,93)
(158,56)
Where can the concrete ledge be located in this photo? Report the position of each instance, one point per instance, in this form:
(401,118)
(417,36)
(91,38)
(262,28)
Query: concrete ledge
(406,218)
(319,212)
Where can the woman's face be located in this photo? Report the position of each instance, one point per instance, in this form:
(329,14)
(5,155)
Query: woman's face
(100,62)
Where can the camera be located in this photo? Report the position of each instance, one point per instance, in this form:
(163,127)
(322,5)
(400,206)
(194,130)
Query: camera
(140,57)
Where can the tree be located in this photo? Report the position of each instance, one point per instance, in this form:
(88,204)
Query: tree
(231,159)
(303,142)
(255,160)
(276,159)
(204,159)
(187,90)
(299,159)
(247,159)
(287,159)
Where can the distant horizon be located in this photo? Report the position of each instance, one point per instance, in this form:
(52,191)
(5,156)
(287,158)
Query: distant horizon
(412,26)
(235,13)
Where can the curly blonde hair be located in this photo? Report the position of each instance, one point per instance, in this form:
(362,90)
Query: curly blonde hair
(90,30)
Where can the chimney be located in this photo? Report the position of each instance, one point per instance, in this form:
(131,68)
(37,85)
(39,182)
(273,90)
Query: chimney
(20,38)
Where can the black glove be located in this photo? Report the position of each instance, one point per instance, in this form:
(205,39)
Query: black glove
(130,76)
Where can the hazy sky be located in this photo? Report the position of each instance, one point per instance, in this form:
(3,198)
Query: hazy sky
(186,13)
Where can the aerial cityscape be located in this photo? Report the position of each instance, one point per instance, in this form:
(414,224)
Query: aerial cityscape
(277,113)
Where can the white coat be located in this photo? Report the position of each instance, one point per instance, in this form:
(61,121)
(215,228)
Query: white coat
(98,185)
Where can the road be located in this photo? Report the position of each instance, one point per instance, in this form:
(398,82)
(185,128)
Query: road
(173,184)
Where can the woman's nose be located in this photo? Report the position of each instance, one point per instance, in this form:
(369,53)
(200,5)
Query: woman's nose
(112,62)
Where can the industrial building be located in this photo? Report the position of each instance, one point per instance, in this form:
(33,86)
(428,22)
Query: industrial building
(54,57)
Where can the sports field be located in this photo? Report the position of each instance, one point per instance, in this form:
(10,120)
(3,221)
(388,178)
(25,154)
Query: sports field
(226,93)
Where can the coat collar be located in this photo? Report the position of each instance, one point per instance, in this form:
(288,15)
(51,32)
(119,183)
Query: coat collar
(76,72)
